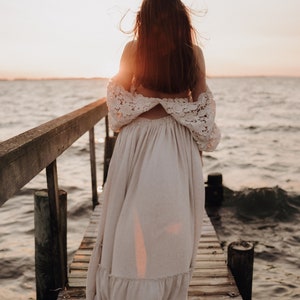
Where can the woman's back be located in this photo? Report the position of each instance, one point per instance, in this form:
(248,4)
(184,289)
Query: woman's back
(127,78)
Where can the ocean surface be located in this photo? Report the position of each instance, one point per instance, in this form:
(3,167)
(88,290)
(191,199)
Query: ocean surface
(258,158)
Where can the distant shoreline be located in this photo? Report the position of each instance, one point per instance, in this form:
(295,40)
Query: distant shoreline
(53,78)
(107,78)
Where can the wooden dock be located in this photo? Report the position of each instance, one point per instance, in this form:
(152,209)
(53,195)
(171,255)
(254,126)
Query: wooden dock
(212,280)
(24,156)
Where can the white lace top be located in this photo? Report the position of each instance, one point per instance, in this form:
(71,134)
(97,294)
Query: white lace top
(198,116)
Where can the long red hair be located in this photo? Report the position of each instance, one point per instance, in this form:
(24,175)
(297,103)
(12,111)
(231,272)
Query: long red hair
(165,59)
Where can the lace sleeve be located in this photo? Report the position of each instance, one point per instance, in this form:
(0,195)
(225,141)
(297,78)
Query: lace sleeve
(123,106)
(198,117)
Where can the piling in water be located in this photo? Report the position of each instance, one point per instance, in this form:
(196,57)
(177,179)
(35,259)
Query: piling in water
(240,262)
(50,237)
(214,190)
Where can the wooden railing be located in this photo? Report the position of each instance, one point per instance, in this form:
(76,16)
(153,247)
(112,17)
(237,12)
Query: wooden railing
(26,155)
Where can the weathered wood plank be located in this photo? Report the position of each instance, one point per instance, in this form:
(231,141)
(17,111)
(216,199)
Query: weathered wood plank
(81,258)
(72,293)
(223,272)
(213,290)
(214,281)
(215,297)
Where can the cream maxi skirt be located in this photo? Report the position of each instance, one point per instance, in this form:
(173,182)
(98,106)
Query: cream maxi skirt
(152,215)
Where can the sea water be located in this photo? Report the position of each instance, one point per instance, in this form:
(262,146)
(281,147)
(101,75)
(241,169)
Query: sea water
(258,158)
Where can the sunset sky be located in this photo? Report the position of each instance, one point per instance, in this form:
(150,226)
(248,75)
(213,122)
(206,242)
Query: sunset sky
(76,38)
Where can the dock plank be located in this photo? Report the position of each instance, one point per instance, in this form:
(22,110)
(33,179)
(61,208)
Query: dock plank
(212,280)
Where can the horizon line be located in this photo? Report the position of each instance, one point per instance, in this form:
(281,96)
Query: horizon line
(107,78)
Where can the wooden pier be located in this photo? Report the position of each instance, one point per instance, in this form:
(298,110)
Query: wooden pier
(24,156)
(212,280)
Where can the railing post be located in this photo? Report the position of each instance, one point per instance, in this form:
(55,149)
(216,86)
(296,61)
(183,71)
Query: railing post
(93,167)
(108,149)
(47,260)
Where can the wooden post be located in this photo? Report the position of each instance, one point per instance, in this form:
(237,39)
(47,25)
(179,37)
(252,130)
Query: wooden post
(214,190)
(108,149)
(47,259)
(53,194)
(63,235)
(240,262)
(93,167)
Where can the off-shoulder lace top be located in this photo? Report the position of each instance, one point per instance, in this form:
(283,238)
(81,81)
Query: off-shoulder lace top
(198,116)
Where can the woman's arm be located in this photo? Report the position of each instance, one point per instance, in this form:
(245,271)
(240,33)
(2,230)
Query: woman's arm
(126,70)
(201,81)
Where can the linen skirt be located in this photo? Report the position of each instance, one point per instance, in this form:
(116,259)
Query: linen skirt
(152,215)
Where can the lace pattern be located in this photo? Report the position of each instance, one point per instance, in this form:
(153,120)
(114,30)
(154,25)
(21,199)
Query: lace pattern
(123,106)
(198,116)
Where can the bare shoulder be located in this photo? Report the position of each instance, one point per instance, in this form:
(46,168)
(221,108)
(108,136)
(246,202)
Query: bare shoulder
(131,44)
(126,70)
(130,49)
(197,50)
(128,57)
(201,81)
(199,57)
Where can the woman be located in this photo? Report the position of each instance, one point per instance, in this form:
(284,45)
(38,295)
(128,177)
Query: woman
(154,194)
